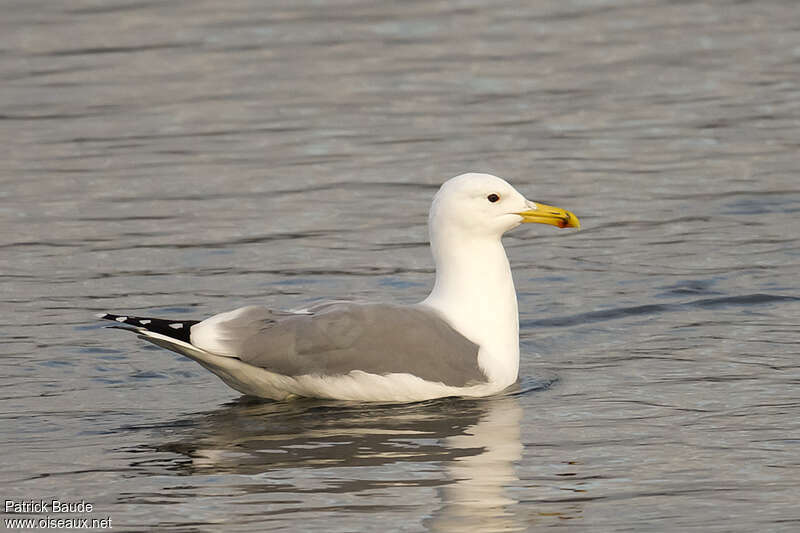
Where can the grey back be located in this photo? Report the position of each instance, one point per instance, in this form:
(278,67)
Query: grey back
(338,337)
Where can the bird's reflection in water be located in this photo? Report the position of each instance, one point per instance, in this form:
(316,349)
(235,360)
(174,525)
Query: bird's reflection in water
(477,499)
(461,449)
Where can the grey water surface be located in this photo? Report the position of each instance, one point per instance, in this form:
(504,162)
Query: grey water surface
(183,158)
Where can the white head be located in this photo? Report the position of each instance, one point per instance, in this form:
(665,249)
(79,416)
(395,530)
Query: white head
(479,205)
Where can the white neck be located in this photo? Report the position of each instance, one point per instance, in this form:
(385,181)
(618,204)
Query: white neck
(475,292)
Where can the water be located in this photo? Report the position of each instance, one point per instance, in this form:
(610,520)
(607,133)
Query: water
(186,158)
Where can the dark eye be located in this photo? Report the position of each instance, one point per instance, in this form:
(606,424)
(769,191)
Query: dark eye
(493,198)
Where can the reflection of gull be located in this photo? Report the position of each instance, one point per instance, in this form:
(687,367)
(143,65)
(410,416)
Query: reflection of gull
(462,340)
(249,437)
(477,500)
(443,463)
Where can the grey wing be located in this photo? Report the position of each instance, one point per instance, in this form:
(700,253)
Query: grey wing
(337,338)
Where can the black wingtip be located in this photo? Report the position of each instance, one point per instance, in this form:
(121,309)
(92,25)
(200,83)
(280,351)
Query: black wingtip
(176,329)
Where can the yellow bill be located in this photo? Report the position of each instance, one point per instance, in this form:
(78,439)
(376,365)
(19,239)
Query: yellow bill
(547,214)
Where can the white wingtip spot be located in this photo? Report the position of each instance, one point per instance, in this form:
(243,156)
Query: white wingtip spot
(176,325)
(121,318)
(144,321)
(101,315)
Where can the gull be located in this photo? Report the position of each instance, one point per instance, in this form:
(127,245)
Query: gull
(462,340)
